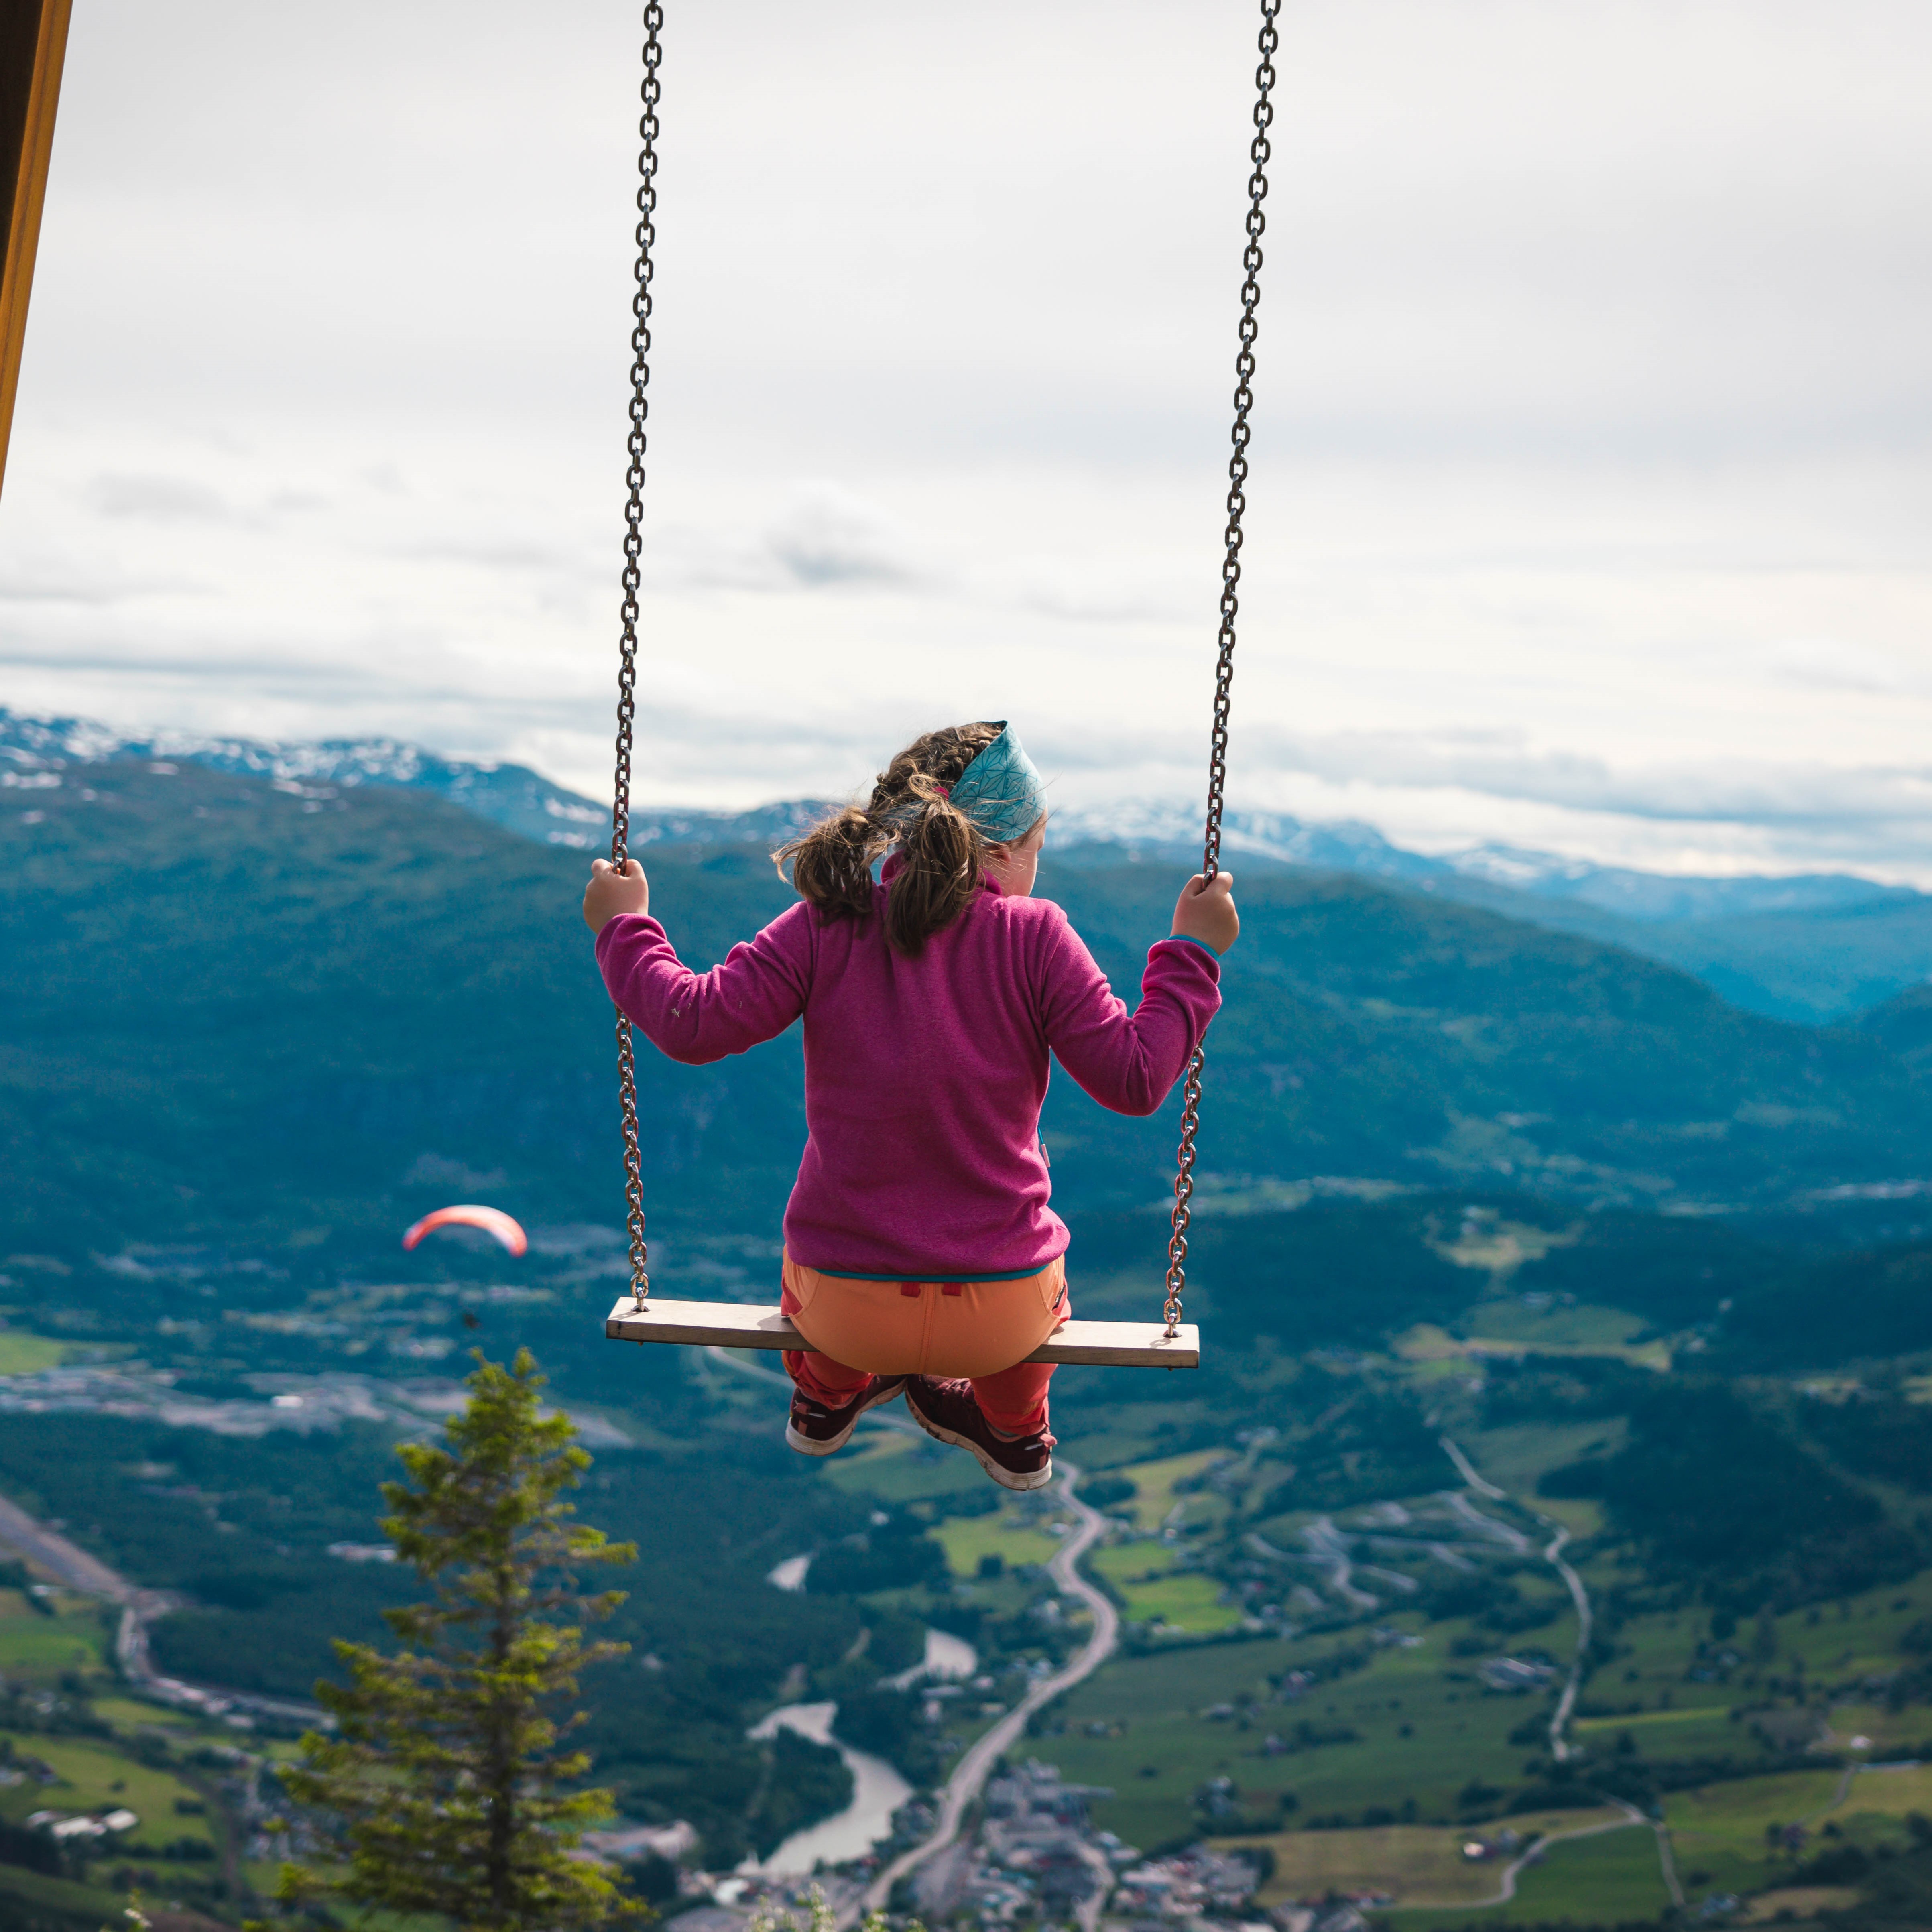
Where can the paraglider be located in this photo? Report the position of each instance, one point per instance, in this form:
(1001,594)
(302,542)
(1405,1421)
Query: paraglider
(491,1220)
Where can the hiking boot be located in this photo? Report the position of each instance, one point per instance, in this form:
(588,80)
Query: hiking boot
(949,1412)
(815,1430)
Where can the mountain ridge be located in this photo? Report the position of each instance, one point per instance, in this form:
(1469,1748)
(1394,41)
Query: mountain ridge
(513,795)
(1811,947)
(310,999)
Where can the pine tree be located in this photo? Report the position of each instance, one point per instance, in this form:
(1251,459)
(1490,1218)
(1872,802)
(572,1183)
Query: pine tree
(444,1789)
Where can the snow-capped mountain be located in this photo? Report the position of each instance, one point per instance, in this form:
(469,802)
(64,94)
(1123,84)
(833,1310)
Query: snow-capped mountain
(1347,845)
(34,751)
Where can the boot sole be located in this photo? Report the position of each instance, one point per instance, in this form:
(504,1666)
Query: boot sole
(1007,1479)
(805,1444)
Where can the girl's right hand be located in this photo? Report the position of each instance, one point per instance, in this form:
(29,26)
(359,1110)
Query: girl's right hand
(1205,911)
(611,892)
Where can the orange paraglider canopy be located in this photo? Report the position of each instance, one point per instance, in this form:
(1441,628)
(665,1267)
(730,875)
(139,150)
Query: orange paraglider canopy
(491,1220)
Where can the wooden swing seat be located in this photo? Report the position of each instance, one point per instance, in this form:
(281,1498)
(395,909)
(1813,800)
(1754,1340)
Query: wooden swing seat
(738,1324)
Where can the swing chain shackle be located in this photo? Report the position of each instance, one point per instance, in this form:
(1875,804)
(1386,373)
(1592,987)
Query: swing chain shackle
(1260,152)
(649,93)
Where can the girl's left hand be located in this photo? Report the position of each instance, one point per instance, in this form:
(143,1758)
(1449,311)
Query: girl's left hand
(1205,911)
(611,892)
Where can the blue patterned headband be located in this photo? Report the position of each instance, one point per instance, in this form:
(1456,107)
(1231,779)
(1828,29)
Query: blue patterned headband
(1000,791)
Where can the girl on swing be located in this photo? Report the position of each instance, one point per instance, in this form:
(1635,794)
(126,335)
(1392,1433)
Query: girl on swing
(921,1256)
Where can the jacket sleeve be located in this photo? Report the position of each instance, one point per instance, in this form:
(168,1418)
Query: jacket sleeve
(1128,1062)
(753,996)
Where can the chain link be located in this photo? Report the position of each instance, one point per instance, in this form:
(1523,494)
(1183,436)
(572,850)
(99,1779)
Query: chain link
(627,671)
(1259,153)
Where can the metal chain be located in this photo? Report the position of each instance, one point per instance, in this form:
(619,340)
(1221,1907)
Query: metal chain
(627,671)
(1259,152)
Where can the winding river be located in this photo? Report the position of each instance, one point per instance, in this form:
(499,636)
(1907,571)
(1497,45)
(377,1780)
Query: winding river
(877,1790)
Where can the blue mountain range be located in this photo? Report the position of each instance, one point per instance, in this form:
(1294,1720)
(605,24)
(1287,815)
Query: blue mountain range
(1816,948)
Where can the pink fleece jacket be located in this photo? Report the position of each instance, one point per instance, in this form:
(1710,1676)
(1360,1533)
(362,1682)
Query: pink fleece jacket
(924,1077)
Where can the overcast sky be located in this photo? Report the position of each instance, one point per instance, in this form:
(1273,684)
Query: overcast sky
(1591,504)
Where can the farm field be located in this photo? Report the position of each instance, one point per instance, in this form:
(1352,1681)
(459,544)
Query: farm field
(38,1649)
(1393,1729)
(1381,1728)
(22,1354)
(1154,1501)
(1579,1327)
(126,1714)
(1142,1571)
(24,1894)
(1422,1864)
(1513,1457)
(968,1539)
(1431,1352)
(175,1851)
(1890,1734)
(1718,1832)
(1722,1832)
(93,1776)
(1186,1602)
(1613,1877)
(1893,1792)
(1132,1559)
(1785,1905)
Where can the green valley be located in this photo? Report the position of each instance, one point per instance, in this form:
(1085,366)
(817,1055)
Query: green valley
(1536,1282)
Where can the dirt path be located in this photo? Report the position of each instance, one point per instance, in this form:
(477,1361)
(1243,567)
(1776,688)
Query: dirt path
(970,1774)
(1667,1859)
(1552,1554)
(1532,1854)
(1560,1746)
(1838,1797)
(1632,1815)
(1328,1547)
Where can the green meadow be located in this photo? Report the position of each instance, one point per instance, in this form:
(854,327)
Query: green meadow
(1613,1877)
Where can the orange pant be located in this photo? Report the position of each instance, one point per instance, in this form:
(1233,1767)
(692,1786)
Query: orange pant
(983,1331)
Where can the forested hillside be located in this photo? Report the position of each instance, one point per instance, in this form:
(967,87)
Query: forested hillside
(1658,1266)
(228,1007)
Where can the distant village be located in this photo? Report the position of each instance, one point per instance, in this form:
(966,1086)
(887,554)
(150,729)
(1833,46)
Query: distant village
(1034,1858)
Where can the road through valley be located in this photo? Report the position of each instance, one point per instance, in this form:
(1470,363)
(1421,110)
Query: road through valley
(970,1774)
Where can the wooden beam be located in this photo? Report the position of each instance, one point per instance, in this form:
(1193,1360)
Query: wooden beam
(33,45)
(734,1324)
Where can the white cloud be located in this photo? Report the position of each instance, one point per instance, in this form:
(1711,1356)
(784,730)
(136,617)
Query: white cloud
(160,500)
(1832,664)
(827,535)
(1590,491)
